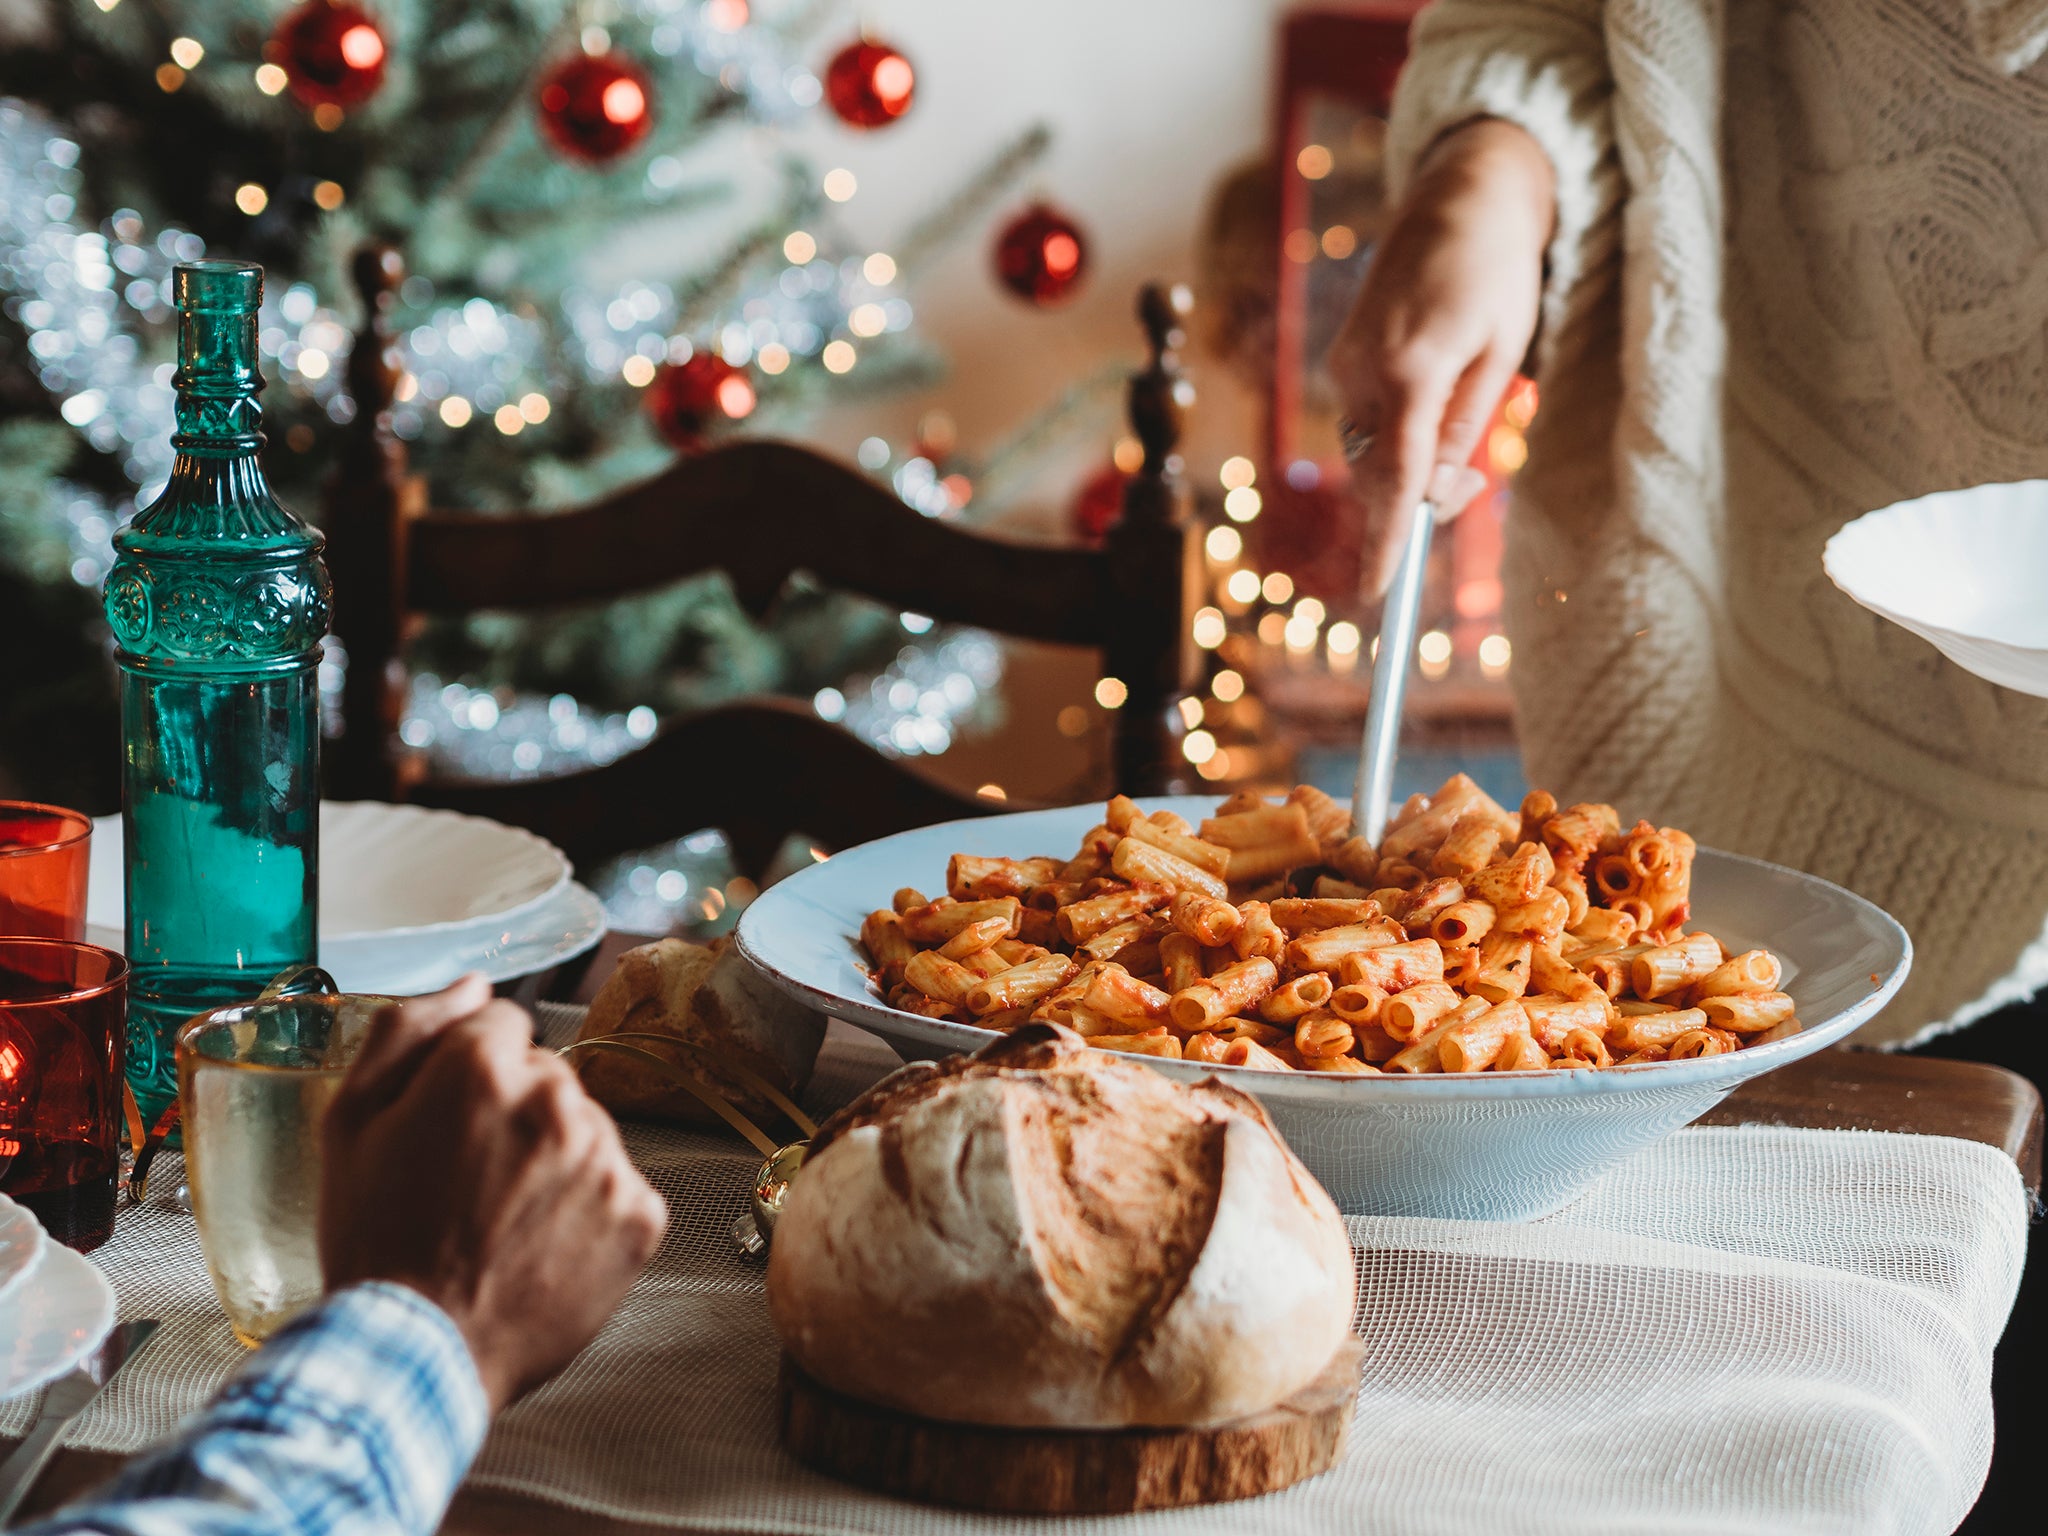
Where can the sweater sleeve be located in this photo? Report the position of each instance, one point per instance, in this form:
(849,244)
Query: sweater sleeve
(1543,66)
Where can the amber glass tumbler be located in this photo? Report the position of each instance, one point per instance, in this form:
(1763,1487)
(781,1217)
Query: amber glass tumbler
(254,1084)
(45,855)
(63,1016)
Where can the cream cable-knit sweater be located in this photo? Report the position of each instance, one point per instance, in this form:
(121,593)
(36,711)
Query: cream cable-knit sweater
(1800,272)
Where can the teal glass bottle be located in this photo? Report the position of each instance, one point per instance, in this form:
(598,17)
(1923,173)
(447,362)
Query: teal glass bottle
(218,602)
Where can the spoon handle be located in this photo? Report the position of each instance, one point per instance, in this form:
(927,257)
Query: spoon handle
(1375,785)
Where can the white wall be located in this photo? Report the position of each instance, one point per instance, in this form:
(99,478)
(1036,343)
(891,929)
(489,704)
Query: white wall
(1150,101)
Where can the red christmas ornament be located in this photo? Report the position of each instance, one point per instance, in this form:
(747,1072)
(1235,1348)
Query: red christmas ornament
(1040,256)
(688,398)
(332,54)
(596,106)
(869,84)
(1099,504)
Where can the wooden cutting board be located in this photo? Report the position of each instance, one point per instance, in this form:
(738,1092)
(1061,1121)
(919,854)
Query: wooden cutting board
(1069,1472)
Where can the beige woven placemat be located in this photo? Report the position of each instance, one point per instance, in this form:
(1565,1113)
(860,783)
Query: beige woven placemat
(1753,1329)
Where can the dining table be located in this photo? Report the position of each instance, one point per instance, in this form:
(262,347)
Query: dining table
(1834,1090)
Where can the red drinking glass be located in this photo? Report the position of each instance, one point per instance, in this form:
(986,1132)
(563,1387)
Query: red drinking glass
(45,855)
(63,1011)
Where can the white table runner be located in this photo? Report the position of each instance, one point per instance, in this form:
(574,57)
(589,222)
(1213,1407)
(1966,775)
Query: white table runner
(1740,1329)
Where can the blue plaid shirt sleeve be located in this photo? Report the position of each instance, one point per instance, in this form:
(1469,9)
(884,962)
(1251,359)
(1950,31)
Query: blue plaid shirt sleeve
(360,1417)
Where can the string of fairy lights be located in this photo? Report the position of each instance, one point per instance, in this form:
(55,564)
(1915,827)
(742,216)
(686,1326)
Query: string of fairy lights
(1276,626)
(1300,630)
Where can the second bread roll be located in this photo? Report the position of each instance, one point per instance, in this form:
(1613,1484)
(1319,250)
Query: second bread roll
(704,996)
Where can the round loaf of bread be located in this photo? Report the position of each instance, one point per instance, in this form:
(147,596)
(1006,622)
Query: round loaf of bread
(1046,1235)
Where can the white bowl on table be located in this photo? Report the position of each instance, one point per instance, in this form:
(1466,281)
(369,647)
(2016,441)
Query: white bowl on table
(1965,570)
(411,897)
(1502,1147)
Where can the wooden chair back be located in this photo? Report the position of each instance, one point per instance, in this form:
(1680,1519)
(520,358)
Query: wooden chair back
(759,511)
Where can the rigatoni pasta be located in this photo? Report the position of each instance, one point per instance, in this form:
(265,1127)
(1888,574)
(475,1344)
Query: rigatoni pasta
(1473,939)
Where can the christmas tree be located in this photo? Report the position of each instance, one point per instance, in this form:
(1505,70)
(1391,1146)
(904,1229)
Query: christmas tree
(612,257)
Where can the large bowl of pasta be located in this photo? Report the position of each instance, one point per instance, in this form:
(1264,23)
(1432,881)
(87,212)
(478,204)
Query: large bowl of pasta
(1473,1019)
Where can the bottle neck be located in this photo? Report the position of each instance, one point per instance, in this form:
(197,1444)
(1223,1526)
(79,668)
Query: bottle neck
(218,492)
(217,383)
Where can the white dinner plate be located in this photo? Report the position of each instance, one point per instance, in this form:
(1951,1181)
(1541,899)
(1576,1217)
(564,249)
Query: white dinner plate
(426,864)
(533,939)
(537,939)
(1484,1145)
(59,1315)
(1964,570)
(389,872)
(21,1247)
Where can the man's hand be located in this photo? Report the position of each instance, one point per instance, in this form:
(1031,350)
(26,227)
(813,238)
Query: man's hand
(1444,319)
(463,1162)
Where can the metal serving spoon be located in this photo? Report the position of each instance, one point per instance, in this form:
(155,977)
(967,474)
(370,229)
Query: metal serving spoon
(1374,789)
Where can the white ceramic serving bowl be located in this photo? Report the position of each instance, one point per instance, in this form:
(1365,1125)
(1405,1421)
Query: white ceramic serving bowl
(1501,1147)
(411,897)
(1965,570)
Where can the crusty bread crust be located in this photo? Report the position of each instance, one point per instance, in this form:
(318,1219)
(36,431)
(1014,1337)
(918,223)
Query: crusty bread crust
(1046,1235)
